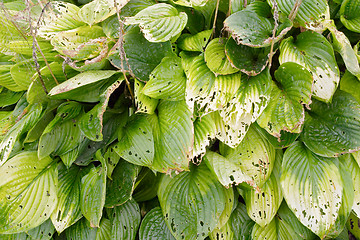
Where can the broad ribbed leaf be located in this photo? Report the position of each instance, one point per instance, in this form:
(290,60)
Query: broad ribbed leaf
(159,22)
(93,189)
(112,159)
(251,28)
(61,139)
(43,231)
(104,231)
(215,58)
(9,30)
(68,209)
(125,220)
(142,56)
(315,53)
(246,106)
(81,230)
(333,129)
(146,185)
(81,43)
(309,15)
(8,97)
(277,229)
(343,46)
(22,73)
(120,188)
(285,140)
(191,3)
(349,14)
(349,83)
(87,86)
(36,92)
(28,189)
(145,104)
(286,111)
(312,187)
(99,10)
(167,80)
(241,223)
(204,133)
(58,17)
(32,115)
(173,136)
(353,225)
(91,123)
(263,205)
(136,141)
(192,203)
(223,233)
(248,60)
(7,81)
(195,43)
(289,217)
(153,226)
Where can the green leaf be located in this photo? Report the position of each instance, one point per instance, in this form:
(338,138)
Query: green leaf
(215,58)
(191,3)
(204,133)
(153,226)
(343,46)
(9,31)
(142,56)
(7,81)
(285,140)
(192,203)
(353,224)
(91,123)
(125,220)
(310,13)
(98,10)
(349,15)
(136,141)
(29,192)
(248,60)
(332,129)
(159,22)
(167,80)
(81,43)
(58,17)
(43,231)
(32,115)
(241,223)
(36,92)
(312,187)
(173,136)
(104,231)
(349,83)
(122,185)
(146,186)
(246,106)
(224,233)
(276,229)
(286,111)
(81,230)
(257,30)
(263,205)
(8,97)
(93,189)
(145,104)
(312,51)
(22,73)
(84,87)
(195,43)
(68,209)
(112,159)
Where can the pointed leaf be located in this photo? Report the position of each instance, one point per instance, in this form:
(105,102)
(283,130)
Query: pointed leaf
(332,129)
(125,220)
(192,203)
(81,230)
(195,43)
(215,58)
(7,81)
(159,22)
(349,15)
(144,103)
(43,231)
(146,186)
(204,133)
(312,187)
(224,233)
(153,226)
(93,189)
(8,97)
(104,231)
(29,192)
(167,80)
(349,83)
(312,51)
(241,223)
(286,111)
(68,209)
(248,60)
(122,185)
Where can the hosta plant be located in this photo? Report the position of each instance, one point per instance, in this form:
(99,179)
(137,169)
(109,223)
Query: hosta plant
(180,119)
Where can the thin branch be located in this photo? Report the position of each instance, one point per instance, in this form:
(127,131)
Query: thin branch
(295,9)
(122,50)
(216,13)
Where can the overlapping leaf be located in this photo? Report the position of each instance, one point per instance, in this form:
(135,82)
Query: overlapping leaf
(349,15)
(153,226)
